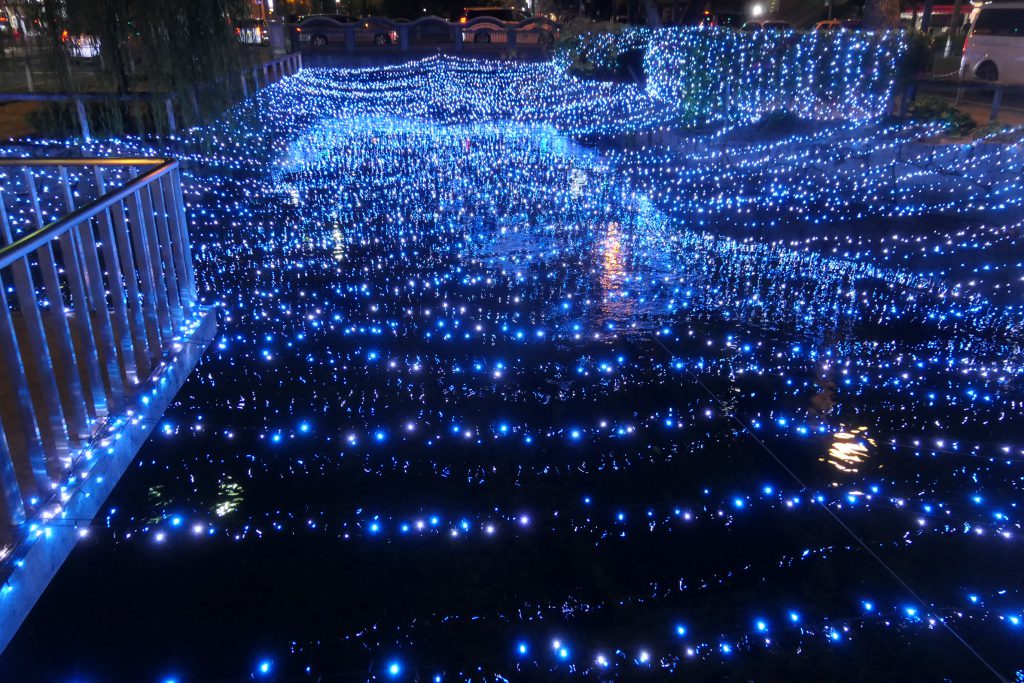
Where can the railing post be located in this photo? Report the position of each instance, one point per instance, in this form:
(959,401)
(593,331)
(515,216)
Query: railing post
(997,100)
(458,39)
(97,294)
(123,328)
(167,256)
(34,475)
(245,85)
(179,209)
(168,203)
(403,37)
(12,508)
(147,223)
(350,39)
(73,396)
(137,231)
(85,348)
(51,425)
(144,352)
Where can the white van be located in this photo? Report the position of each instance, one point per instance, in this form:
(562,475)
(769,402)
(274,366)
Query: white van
(994,49)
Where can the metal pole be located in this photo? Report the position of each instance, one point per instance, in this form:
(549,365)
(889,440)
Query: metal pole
(997,99)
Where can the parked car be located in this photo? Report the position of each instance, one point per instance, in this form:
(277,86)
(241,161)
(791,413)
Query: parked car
(493,31)
(768,25)
(994,48)
(828,25)
(322,30)
(502,13)
(251,31)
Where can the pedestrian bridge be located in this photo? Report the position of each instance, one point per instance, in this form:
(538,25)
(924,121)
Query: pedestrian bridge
(99,327)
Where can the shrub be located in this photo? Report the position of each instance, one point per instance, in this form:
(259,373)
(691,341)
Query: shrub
(957,122)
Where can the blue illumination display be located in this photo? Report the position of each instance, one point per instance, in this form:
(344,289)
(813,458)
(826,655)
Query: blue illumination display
(522,375)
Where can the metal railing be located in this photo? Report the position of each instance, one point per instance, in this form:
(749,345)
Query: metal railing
(164,108)
(958,86)
(89,304)
(431,34)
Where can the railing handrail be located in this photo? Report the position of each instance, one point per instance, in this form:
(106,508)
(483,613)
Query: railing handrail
(81,161)
(431,18)
(29,243)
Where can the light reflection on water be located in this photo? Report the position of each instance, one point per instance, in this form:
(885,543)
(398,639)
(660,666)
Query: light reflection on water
(850,450)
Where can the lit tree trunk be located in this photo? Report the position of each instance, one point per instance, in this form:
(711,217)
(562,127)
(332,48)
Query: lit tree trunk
(881,14)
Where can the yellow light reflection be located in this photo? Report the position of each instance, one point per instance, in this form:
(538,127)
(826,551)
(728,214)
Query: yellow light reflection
(849,450)
(339,245)
(229,496)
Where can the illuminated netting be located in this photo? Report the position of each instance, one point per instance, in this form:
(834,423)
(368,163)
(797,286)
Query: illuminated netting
(509,367)
(719,74)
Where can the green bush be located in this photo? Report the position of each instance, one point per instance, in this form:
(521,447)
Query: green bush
(957,122)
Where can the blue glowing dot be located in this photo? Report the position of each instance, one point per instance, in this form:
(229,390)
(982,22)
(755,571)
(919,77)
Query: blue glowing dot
(522,648)
(264,667)
(394,668)
(680,630)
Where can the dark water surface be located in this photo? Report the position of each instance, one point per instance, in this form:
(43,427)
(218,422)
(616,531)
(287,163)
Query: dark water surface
(493,401)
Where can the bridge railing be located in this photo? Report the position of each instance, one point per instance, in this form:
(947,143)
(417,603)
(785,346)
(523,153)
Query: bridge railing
(97,285)
(382,35)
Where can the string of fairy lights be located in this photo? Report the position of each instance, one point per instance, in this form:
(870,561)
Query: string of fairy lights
(438,283)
